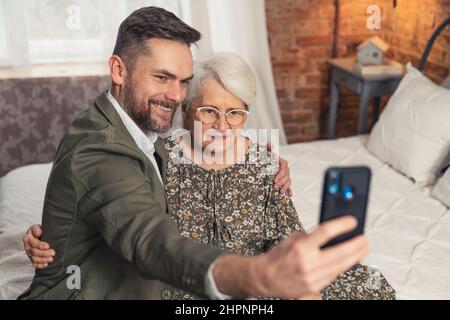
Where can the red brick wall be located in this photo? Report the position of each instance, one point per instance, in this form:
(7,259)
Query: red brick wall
(300,38)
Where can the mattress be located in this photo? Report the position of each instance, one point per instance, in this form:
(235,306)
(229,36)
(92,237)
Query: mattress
(408,231)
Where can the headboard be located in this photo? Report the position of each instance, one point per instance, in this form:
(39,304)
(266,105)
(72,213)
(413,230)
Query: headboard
(429,46)
(35,112)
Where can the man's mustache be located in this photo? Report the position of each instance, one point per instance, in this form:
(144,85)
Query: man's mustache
(165,104)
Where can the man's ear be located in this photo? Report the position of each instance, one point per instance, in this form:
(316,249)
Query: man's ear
(117,70)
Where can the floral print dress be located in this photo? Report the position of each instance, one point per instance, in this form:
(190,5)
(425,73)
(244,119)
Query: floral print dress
(239,210)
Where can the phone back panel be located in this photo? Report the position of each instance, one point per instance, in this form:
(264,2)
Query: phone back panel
(345,192)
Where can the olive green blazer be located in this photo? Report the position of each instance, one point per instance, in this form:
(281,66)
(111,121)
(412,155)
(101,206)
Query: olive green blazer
(105,212)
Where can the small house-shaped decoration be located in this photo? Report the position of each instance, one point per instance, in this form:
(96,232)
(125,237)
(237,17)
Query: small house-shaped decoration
(372,51)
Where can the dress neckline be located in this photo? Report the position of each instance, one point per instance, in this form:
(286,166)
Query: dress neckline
(178,154)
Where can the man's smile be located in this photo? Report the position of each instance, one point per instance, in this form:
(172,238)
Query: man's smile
(163,108)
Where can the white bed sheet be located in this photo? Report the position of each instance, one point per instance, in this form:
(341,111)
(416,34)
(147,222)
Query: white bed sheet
(408,231)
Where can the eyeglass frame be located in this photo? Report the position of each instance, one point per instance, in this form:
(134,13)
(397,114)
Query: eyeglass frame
(246,111)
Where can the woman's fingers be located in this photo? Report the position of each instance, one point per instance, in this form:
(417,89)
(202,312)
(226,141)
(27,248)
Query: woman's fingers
(284,184)
(36,259)
(283,172)
(32,241)
(26,245)
(43,245)
(36,230)
(38,251)
(289,192)
(31,238)
(43,253)
(39,265)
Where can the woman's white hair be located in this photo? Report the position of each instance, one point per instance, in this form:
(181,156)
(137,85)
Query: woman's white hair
(230,71)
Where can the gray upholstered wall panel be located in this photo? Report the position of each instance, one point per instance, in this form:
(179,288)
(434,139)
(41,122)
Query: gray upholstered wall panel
(34,114)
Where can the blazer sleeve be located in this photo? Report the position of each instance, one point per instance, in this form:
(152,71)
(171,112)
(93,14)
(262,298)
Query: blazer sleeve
(117,198)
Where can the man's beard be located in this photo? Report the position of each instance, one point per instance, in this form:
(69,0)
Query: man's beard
(140,111)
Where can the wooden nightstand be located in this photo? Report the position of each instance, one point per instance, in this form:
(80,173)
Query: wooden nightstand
(342,74)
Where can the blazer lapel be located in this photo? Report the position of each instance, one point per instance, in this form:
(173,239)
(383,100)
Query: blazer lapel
(109,112)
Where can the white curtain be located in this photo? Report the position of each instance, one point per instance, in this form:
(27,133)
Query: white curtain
(79,31)
(65,31)
(239,26)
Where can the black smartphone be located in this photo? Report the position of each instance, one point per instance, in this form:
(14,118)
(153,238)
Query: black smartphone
(345,192)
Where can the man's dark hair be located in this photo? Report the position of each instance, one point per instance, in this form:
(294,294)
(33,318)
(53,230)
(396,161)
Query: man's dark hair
(146,23)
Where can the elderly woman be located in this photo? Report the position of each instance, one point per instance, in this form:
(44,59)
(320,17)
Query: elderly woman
(219,184)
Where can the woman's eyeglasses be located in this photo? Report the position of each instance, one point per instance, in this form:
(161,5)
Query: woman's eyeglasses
(209,115)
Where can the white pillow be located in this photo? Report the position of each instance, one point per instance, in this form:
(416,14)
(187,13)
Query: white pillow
(441,190)
(413,133)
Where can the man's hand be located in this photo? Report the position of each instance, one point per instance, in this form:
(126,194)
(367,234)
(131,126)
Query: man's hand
(38,251)
(294,269)
(314,296)
(298,267)
(282,179)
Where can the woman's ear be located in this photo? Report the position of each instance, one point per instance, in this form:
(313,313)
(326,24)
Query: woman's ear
(117,70)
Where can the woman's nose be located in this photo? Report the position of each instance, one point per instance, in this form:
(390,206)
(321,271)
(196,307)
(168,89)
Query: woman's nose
(223,123)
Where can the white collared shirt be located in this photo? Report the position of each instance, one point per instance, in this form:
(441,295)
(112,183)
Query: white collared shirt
(144,142)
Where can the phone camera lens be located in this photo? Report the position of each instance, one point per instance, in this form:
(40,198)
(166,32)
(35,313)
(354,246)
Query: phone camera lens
(333,188)
(334,174)
(348,193)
